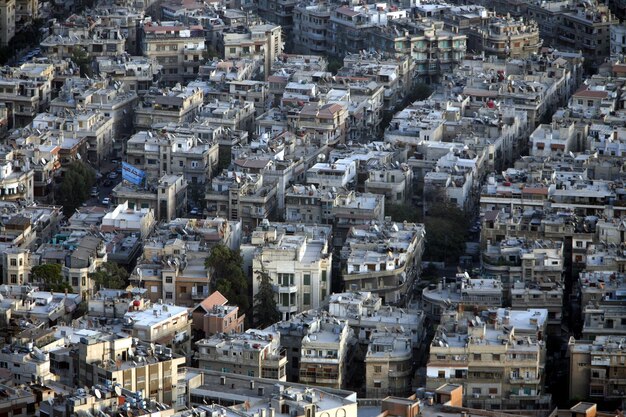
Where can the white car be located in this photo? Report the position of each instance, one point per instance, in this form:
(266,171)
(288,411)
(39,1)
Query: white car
(106,201)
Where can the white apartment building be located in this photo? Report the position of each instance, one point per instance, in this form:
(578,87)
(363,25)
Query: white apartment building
(298,259)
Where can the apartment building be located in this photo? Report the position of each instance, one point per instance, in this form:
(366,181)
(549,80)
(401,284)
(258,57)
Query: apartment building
(498,357)
(80,255)
(349,25)
(238,196)
(298,260)
(366,314)
(462,292)
(26,364)
(506,37)
(324,123)
(164,324)
(255,353)
(128,220)
(587,28)
(311,28)
(596,368)
(383,258)
(94,40)
(159,154)
(177,105)
(166,197)
(388,364)
(177,48)
(7,21)
(254,41)
(133,366)
(137,73)
(555,139)
(233,114)
(325,354)
(266,394)
(173,270)
(26,91)
(435,49)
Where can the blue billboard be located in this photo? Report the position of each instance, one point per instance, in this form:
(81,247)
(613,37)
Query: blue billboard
(132,174)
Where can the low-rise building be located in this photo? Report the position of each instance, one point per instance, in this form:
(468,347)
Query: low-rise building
(255,353)
(298,260)
(383,258)
(214,315)
(388,364)
(498,357)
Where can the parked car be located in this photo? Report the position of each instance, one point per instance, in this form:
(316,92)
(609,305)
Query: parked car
(113,175)
(106,201)
(94,192)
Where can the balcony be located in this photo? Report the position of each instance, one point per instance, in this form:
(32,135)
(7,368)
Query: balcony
(285,289)
(600,361)
(524,381)
(199,295)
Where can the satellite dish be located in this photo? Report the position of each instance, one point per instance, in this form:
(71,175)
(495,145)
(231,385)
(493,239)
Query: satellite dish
(118,390)
(97,393)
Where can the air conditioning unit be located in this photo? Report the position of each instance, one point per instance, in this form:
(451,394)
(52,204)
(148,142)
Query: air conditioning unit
(492,397)
(476,395)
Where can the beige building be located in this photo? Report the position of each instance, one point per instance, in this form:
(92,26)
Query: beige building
(178,105)
(388,364)
(7,21)
(383,258)
(261,41)
(255,353)
(498,357)
(325,353)
(177,49)
(597,368)
(132,366)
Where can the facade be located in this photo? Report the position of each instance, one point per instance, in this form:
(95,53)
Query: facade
(596,368)
(388,364)
(499,358)
(383,258)
(298,260)
(254,353)
(177,49)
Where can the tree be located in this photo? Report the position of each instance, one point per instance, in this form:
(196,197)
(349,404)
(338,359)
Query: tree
(446,232)
(74,188)
(110,275)
(265,310)
(50,275)
(82,59)
(402,212)
(227,275)
(334,65)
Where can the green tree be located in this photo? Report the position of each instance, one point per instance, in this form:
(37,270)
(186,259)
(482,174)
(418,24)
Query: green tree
(402,212)
(50,275)
(82,59)
(110,275)
(265,310)
(446,232)
(334,65)
(74,188)
(227,275)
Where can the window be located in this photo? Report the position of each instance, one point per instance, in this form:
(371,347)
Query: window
(493,391)
(377,384)
(496,357)
(476,391)
(180,163)
(13,262)
(306,299)
(168,280)
(476,356)
(183,290)
(13,278)
(441,374)
(323,276)
(169,295)
(306,279)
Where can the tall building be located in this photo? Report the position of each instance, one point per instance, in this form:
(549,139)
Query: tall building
(7,21)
